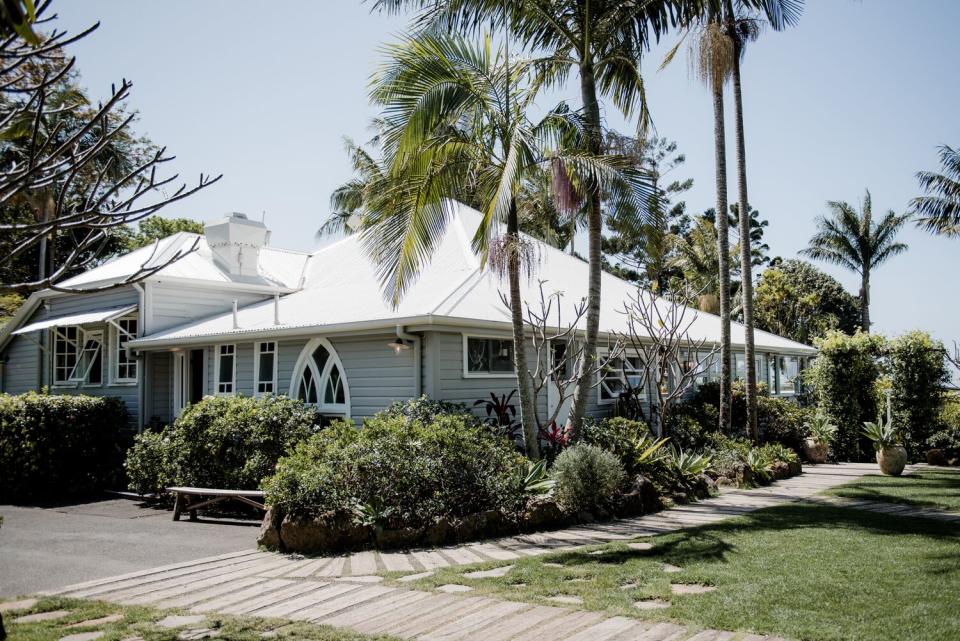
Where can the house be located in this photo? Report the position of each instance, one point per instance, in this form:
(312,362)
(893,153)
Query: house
(237,316)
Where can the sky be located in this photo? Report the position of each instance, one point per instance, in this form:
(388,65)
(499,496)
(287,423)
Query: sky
(858,95)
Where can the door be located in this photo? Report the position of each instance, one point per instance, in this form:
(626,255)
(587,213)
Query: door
(189,378)
(562,369)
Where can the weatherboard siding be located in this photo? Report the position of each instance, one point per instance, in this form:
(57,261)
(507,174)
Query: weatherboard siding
(173,305)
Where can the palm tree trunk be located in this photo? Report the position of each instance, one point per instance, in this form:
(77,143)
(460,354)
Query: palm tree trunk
(723,249)
(527,413)
(746,257)
(591,108)
(865,300)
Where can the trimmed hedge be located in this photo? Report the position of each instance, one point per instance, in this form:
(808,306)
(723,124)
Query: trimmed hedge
(53,447)
(399,473)
(226,442)
(918,377)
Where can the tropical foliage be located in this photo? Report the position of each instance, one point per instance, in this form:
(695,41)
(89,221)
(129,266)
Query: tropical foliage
(918,378)
(938,210)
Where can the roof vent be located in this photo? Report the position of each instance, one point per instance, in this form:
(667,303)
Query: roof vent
(235,241)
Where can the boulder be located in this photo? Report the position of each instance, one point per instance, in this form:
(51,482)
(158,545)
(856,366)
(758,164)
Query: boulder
(407,537)
(744,475)
(779,470)
(795,468)
(326,534)
(542,514)
(482,525)
(269,536)
(439,533)
(936,457)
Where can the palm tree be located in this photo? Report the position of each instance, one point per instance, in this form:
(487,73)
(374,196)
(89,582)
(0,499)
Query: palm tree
(939,208)
(853,240)
(456,125)
(347,200)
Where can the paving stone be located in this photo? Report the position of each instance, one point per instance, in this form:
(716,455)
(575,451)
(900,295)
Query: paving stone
(52,615)
(651,604)
(92,623)
(198,633)
(690,588)
(83,636)
(489,574)
(554,565)
(641,547)
(415,577)
(363,578)
(453,588)
(606,629)
(22,604)
(180,620)
(672,569)
(566,598)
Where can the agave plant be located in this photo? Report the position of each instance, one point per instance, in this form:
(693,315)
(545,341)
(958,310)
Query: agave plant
(687,467)
(761,463)
(537,480)
(648,449)
(782,453)
(882,433)
(821,429)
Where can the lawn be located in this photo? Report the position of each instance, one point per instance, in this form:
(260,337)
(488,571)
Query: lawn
(141,622)
(934,487)
(800,571)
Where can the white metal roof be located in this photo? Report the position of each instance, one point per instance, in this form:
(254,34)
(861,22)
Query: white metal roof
(341,290)
(278,267)
(97,316)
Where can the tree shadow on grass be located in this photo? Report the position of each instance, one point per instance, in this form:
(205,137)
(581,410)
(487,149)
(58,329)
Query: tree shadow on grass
(712,542)
(925,488)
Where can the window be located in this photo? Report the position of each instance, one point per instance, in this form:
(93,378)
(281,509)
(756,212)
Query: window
(226,368)
(619,375)
(319,378)
(89,365)
(488,356)
(789,374)
(265,366)
(125,368)
(66,350)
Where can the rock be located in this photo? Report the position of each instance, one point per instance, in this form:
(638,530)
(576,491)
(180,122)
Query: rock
(323,534)
(744,475)
(707,485)
(52,615)
(269,536)
(407,537)
(482,525)
(543,514)
(780,470)
(585,517)
(640,498)
(934,457)
(438,534)
(795,468)
(640,547)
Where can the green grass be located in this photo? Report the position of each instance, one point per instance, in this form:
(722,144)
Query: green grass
(934,487)
(140,621)
(800,571)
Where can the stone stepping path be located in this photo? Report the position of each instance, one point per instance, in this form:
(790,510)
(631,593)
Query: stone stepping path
(341,591)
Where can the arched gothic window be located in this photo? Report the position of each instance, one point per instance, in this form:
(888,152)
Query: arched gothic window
(318,378)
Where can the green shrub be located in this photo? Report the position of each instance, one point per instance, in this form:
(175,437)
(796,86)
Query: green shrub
(59,446)
(425,410)
(617,435)
(228,442)
(918,374)
(843,378)
(692,427)
(948,441)
(414,473)
(782,421)
(587,478)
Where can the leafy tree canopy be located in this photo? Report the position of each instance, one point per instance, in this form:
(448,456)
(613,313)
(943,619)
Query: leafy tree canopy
(152,229)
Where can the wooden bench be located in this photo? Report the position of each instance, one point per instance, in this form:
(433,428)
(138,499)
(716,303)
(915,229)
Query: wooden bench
(191,499)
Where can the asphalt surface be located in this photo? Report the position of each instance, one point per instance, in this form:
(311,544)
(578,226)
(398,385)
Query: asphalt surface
(52,547)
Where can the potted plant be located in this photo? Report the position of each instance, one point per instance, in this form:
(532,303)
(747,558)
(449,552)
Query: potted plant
(891,455)
(820,434)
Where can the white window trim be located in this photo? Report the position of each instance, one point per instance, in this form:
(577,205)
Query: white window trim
(305,360)
(81,381)
(256,368)
(66,383)
(216,371)
(115,348)
(463,353)
(623,373)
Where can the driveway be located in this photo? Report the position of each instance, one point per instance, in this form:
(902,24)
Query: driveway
(51,547)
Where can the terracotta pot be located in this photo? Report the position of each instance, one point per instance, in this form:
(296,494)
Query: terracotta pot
(815,451)
(892,460)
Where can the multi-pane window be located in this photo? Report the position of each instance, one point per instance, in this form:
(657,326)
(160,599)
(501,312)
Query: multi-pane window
(89,366)
(126,362)
(489,356)
(265,367)
(66,350)
(226,368)
(789,374)
(619,375)
(321,382)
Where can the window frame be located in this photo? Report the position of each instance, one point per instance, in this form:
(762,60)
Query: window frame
(305,362)
(84,380)
(256,367)
(488,374)
(77,348)
(117,333)
(623,375)
(216,369)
